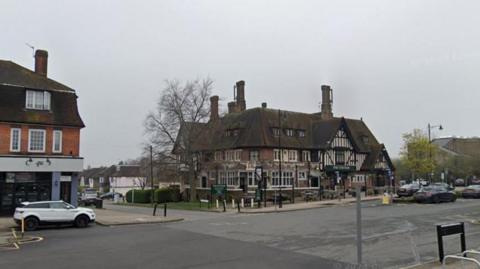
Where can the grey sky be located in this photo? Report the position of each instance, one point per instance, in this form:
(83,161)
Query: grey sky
(397,64)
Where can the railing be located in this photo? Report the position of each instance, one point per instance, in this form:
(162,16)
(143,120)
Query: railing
(462,259)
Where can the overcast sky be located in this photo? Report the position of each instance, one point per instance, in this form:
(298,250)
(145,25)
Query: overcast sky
(397,64)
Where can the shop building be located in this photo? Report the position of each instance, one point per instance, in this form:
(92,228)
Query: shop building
(39,136)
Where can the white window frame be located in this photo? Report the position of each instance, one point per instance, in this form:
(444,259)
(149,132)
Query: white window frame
(60,134)
(254,155)
(238,155)
(45,99)
(306,156)
(19,142)
(289,132)
(292,155)
(276,155)
(30,138)
(302,175)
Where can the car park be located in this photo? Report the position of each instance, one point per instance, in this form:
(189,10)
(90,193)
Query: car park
(472,191)
(35,214)
(434,194)
(408,189)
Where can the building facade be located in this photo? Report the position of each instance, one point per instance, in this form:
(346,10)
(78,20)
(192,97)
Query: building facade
(39,136)
(293,149)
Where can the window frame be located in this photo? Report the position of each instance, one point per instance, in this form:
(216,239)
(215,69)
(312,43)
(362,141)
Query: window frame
(19,142)
(45,99)
(254,155)
(60,141)
(30,140)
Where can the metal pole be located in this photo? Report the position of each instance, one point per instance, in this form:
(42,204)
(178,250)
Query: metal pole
(294,182)
(281,151)
(359,226)
(164,210)
(151,172)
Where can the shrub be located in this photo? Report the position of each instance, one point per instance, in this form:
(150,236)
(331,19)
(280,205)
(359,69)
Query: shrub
(140,196)
(166,195)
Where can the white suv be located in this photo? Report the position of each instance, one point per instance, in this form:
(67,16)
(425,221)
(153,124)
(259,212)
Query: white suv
(36,213)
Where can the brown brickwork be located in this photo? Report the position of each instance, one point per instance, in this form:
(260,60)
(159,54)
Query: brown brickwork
(70,140)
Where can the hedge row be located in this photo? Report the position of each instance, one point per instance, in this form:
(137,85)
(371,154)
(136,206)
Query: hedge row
(140,196)
(160,195)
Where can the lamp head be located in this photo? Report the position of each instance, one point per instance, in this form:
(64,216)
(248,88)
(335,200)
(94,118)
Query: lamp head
(440,127)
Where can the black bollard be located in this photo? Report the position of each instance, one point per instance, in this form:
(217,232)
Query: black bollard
(164,210)
(238,205)
(224,206)
(155,209)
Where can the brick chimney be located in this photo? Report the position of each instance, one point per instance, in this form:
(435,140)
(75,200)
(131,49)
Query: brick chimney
(241,104)
(214,108)
(327,101)
(41,62)
(232,107)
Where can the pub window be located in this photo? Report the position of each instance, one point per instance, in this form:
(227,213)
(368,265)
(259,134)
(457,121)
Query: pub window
(254,155)
(339,157)
(306,156)
(289,132)
(301,133)
(276,131)
(238,155)
(276,155)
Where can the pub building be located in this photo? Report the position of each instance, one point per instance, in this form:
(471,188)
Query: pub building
(295,150)
(39,136)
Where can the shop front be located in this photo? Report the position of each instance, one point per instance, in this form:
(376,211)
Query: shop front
(20,181)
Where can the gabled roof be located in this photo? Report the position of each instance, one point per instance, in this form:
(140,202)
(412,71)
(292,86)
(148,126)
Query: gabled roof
(17,75)
(255,131)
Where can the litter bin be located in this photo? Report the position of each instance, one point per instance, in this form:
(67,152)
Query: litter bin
(387,199)
(98,203)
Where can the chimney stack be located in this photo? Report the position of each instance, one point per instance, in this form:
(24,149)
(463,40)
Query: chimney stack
(41,62)
(241,104)
(327,100)
(232,107)
(214,108)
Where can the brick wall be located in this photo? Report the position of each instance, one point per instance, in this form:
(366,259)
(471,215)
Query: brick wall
(70,140)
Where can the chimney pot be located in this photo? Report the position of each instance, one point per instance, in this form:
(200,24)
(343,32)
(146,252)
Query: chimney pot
(264,105)
(214,108)
(41,62)
(241,104)
(327,100)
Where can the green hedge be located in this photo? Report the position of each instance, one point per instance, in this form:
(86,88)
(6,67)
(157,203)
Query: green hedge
(140,196)
(166,195)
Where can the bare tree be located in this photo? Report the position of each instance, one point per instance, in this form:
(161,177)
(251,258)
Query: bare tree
(177,123)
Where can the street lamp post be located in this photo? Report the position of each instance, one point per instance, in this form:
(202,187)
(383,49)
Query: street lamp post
(430,127)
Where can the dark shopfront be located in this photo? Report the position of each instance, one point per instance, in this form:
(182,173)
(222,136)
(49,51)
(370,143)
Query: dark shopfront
(16,188)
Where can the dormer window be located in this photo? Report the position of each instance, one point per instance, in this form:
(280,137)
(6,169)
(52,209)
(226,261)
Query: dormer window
(37,100)
(276,131)
(289,132)
(301,133)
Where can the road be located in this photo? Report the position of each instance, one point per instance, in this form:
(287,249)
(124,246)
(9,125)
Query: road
(394,236)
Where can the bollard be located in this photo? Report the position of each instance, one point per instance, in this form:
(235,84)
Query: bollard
(216,203)
(242,203)
(155,209)
(251,202)
(238,207)
(224,205)
(164,210)
(23,226)
(233,204)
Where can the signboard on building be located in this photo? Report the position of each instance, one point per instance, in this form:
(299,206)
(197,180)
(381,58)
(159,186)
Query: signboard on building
(219,189)
(341,168)
(65,178)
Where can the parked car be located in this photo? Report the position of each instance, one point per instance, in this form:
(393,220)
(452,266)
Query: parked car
(111,195)
(408,189)
(459,182)
(434,194)
(441,184)
(35,214)
(475,181)
(89,196)
(472,191)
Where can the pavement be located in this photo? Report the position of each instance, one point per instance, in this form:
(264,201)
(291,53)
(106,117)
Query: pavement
(109,217)
(6,223)
(307,205)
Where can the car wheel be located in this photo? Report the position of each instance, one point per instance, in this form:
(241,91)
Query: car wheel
(81,221)
(31,223)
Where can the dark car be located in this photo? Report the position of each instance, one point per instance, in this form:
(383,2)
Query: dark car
(472,191)
(408,189)
(110,195)
(434,194)
(445,185)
